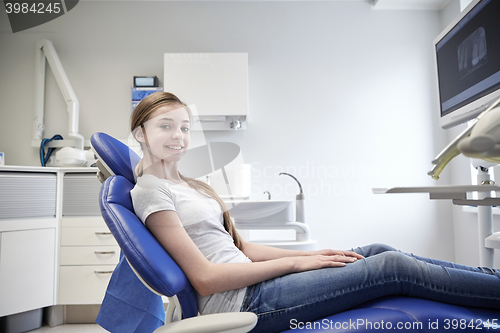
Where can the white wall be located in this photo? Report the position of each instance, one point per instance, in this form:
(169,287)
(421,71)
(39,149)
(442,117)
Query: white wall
(341,95)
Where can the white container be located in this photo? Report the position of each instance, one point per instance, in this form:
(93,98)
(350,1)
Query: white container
(239,178)
(242,180)
(2,158)
(68,156)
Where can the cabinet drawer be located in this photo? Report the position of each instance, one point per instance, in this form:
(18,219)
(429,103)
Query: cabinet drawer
(83,221)
(89,255)
(83,284)
(80,195)
(26,194)
(86,236)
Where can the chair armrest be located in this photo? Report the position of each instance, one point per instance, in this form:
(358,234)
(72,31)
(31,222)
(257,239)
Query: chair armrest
(230,322)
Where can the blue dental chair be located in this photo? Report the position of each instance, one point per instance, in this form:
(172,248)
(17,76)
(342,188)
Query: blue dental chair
(151,263)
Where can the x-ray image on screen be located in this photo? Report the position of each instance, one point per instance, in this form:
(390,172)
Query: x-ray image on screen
(472,52)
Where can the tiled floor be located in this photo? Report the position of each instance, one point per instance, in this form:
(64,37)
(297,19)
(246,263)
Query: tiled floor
(73,328)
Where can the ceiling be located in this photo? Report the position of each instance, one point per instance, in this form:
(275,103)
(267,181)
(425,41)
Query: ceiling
(376,4)
(409,4)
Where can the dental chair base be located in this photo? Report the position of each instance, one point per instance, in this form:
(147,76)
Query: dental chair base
(233,322)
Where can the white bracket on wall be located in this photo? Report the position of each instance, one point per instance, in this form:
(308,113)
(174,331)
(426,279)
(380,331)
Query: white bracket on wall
(219,123)
(45,50)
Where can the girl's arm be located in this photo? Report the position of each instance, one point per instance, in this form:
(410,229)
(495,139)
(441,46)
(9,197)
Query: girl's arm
(209,278)
(258,252)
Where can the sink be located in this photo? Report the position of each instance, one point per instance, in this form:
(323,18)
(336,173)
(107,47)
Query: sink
(261,211)
(269,215)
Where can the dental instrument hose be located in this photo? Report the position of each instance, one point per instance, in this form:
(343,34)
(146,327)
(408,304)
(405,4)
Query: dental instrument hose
(44,157)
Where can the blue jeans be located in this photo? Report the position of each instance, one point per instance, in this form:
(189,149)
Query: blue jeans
(312,295)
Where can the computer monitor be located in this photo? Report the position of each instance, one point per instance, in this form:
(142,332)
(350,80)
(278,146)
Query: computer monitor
(467,57)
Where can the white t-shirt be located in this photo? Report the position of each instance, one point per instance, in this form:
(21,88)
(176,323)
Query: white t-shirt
(202,218)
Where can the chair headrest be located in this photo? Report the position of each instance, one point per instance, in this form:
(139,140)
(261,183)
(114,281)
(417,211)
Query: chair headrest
(144,253)
(114,156)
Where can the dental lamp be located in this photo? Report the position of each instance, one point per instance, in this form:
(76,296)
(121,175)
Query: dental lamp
(45,50)
(479,141)
(484,139)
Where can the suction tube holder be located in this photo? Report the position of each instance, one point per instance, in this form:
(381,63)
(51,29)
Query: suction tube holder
(300,213)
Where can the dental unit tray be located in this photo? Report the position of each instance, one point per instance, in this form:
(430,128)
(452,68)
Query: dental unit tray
(457,193)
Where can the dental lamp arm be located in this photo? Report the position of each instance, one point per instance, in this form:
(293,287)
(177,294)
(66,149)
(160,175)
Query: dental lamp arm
(45,50)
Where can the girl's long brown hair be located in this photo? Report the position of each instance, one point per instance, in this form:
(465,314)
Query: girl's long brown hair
(141,115)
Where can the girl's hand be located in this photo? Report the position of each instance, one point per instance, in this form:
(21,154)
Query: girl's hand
(323,259)
(329,252)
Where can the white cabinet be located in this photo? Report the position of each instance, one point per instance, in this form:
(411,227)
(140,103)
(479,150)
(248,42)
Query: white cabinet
(28,240)
(87,256)
(26,270)
(88,252)
(55,248)
(215,83)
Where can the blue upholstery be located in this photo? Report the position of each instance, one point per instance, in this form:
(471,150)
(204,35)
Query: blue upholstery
(118,158)
(141,249)
(117,207)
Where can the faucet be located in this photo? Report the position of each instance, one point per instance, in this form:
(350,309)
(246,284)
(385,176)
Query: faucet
(300,214)
(268,195)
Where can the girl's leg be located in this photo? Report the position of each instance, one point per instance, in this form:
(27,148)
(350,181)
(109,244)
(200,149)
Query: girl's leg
(313,295)
(375,249)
